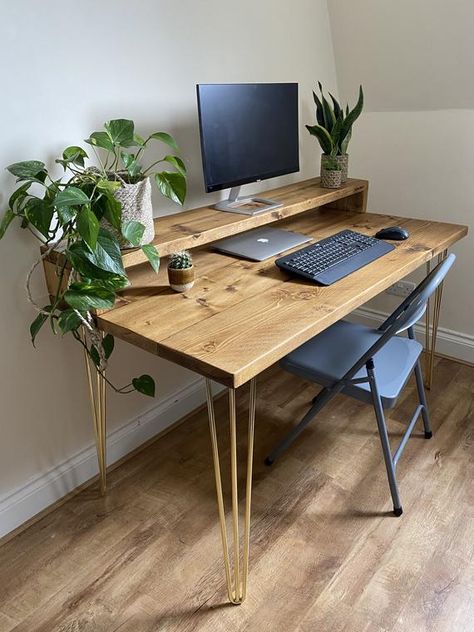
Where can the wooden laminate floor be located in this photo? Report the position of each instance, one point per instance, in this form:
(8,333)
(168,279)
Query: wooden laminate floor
(326,556)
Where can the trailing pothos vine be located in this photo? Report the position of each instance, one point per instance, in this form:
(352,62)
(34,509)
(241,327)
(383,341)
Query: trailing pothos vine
(78,220)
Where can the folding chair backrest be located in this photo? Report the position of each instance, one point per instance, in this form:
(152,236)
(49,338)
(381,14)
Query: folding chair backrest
(414,306)
(408,312)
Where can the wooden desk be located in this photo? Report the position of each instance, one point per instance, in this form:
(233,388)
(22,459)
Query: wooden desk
(241,317)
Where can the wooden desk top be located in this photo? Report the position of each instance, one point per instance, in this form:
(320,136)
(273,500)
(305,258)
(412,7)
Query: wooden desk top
(241,317)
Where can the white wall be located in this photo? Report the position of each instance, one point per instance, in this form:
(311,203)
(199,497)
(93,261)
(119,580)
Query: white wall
(415,139)
(67,66)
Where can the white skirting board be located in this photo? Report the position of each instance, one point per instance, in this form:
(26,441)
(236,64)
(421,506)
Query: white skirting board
(25,502)
(449,343)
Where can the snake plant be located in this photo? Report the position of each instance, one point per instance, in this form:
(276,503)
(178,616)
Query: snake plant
(334,123)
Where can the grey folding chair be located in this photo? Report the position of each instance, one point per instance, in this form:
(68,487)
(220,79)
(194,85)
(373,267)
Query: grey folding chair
(371,365)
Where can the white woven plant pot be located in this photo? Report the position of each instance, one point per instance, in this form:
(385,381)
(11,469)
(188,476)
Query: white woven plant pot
(342,161)
(136,206)
(330,179)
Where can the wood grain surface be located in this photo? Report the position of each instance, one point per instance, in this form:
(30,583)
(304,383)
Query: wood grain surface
(199,226)
(241,316)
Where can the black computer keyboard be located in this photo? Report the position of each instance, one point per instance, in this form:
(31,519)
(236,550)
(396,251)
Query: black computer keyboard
(335,257)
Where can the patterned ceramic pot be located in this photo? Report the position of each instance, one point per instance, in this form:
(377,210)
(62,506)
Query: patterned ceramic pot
(136,205)
(181,280)
(342,161)
(330,179)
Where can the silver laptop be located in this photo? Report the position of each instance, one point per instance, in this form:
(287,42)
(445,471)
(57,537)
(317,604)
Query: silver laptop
(261,243)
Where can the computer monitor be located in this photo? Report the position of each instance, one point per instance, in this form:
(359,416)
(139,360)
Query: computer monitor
(249,132)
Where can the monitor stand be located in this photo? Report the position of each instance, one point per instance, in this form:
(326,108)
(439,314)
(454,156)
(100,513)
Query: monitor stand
(245,205)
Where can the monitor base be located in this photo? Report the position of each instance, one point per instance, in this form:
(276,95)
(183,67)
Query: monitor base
(246,205)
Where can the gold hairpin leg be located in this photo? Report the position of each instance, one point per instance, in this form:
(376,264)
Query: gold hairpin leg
(431,333)
(97,394)
(236,577)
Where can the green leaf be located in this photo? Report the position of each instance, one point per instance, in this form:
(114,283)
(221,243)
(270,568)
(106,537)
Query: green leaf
(336,131)
(95,355)
(70,196)
(108,345)
(40,214)
(165,138)
(319,110)
(69,320)
(66,214)
(113,282)
(120,132)
(87,296)
(73,154)
(133,232)
(139,140)
(131,164)
(106,256)
(337,107)
(172,185)
(352,116)
(87,225)
(28,169)
(79,255)
(345,142)
(100,139)
(152,255)
(108,186)
(323,137)
(144,384)
(112,210)
(176,162)
(107,253)
(6,221)
(328,114)
(36,325)
(18,196)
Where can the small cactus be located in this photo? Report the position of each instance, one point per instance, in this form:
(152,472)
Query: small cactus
(180,260)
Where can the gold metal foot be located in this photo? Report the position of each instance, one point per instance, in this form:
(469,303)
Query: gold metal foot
(236,577)
(98,399)
(431,333)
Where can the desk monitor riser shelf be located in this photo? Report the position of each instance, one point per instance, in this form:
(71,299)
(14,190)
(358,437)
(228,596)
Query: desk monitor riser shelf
(241,317)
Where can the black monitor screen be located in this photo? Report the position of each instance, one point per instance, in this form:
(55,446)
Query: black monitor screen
(249,132)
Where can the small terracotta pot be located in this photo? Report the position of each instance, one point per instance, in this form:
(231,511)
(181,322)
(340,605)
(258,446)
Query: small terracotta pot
(181,280)
(342,161)
(330,179)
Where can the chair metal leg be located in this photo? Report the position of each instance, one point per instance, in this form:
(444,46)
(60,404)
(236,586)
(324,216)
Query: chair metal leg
(430,342)
(236,578)
(98,400)
(421,391)
(422,397)
(321,399)
(382,427)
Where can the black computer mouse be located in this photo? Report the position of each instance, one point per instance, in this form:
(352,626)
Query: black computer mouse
(395,233)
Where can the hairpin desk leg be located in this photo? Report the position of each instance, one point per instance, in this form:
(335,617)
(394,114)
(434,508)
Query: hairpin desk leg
(432,332)
(97,394)
(236,577)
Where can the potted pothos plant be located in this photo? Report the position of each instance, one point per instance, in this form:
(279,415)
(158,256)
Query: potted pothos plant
(80,219)
(333,128)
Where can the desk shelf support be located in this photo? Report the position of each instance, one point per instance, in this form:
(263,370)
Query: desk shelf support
(236,576)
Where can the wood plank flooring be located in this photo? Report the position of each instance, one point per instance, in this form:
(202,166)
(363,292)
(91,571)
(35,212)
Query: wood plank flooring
(326,553)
